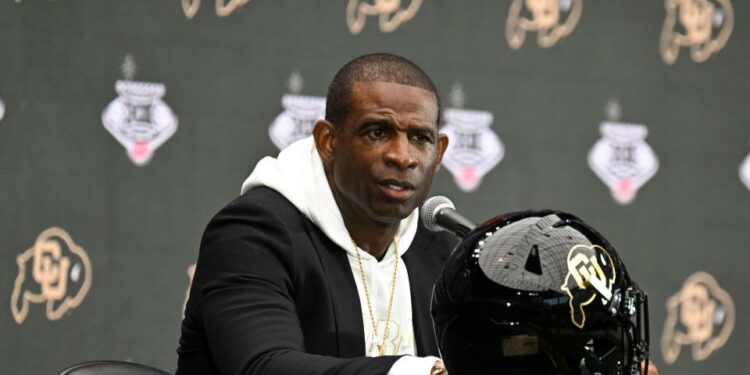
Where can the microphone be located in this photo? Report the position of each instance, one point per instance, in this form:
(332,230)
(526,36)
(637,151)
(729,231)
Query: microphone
(439,214)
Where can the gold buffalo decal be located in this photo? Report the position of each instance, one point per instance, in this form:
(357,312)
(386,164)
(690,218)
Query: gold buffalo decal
(550,19)
(591,273)
(190,273)
(55,271)
(702,25)
(700,315)
(390,12)
(223,9)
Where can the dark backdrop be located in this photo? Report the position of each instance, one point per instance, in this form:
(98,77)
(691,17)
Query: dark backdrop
(139,225)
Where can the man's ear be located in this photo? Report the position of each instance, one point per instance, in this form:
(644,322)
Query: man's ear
(324,134)
(442,145)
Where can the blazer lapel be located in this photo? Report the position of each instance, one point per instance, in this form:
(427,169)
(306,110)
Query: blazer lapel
(343,291)
(423,270)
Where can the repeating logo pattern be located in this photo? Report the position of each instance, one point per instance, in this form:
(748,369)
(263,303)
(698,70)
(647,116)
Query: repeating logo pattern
(55,272)
(138,118)
(701,315)
(391,13)
(474,149)
(552,20)
(591,274)
(703,26)
(745,171)
(223,7)
(299,115)
(621,158)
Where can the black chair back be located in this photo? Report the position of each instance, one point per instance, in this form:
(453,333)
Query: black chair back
(111,368)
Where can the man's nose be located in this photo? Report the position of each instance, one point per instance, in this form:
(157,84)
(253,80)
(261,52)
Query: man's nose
(399,153)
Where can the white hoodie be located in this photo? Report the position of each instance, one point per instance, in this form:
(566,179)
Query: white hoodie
(297,174)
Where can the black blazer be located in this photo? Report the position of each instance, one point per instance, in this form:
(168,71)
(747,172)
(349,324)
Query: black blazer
(273,295)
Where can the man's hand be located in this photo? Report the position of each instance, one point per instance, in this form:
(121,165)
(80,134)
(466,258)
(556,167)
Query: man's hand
(439,368)
(652,370)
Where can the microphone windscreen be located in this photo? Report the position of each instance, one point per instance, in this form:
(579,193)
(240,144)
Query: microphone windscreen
(431,208)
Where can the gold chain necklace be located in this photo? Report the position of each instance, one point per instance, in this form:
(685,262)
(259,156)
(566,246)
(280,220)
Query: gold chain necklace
(386,332)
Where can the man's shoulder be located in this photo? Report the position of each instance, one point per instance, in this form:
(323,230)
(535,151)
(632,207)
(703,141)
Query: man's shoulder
(258,212)
(260,203)
(263,198)
(439,244)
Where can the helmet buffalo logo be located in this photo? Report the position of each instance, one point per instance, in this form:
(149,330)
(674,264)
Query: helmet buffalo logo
(591,273)
(55,271)
(702,25)
(391,14)
(701,315)
(551,19)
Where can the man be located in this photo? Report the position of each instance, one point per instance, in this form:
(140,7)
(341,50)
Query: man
(321,266)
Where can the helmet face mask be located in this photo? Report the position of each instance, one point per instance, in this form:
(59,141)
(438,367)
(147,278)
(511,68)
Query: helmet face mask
(538,292)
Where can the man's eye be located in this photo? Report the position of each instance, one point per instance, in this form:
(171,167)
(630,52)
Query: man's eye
(422,138)
(376,133)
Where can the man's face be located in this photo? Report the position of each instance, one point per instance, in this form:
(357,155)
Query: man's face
(386,152)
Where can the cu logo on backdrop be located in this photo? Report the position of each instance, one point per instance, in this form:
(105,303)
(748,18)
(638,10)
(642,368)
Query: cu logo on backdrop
(701,316)
(223,8)
(702,26)
(55,272)
(551,20)
(190,274)
(391,13)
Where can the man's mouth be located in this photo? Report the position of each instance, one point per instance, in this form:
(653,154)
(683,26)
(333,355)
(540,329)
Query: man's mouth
(398,190)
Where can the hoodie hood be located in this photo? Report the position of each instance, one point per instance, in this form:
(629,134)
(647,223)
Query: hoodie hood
(297,174)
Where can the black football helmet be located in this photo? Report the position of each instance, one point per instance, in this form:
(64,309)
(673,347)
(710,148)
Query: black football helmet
(539,292)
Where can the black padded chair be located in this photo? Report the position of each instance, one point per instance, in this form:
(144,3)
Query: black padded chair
(111,368)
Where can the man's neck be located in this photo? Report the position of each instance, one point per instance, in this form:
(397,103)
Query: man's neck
(373,238)
(370,235)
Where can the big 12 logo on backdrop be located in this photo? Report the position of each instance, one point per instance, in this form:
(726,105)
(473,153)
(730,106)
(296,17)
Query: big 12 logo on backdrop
(621,158)
(299,115)
(138,118)
(474,149)
(745,171)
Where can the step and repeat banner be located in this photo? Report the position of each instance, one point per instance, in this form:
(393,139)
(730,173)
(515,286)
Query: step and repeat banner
(125,125)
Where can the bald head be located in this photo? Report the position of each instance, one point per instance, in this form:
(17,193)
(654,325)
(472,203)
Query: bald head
(378,67)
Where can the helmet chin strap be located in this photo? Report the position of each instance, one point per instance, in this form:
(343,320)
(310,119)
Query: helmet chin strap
(591,364)
(626,305)
(633,303)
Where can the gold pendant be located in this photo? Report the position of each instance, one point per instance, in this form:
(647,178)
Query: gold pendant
(381,349)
